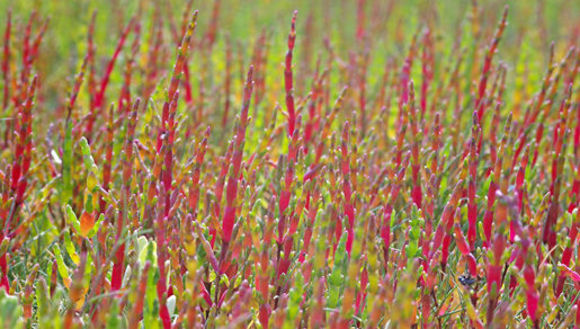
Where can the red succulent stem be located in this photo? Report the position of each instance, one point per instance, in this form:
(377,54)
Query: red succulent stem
(99,97)
(416,193)
(406,75)
(464,248)
(19,175)
(127,163)
(91,50)
(135,316)
(219,187)
(349,210)
(228,218)
(181,62)
(125,101)
(164,218)
(529,119)
(558,157)
(155,40)
(435,145)
(194,189)
(4,284)
(212,29)
(520,178)
(288,84)
(161,283)
(22,153)
(360,14)
(531,293)
(427,70)
(486,70)
(109,135)
(472,205)
(567,255)
(26,52)
(443,233)
(118,265)
(164,154)
(36,44)
(229,215)
(385,232)
(313,114)
(494,269)
(77,85)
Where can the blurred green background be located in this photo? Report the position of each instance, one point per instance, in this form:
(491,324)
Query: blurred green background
(532,26)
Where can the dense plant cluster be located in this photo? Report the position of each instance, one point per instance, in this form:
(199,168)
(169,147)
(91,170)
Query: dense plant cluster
(352,164)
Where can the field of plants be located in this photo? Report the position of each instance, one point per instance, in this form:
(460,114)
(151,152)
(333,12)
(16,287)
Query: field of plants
(289,164)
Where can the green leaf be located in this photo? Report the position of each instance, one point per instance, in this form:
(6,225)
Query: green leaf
(70,248)
(150,308)
(87,157)
(114,321)
(60,265)
(336,278)
(10,311)
(41,295)
(96,227)
(66,190)
(142,249)
(72,218)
